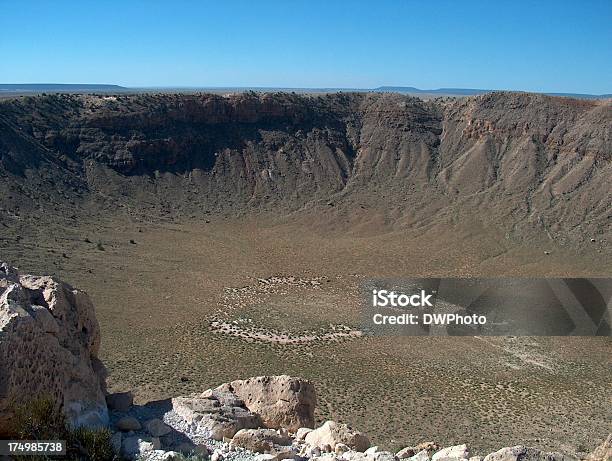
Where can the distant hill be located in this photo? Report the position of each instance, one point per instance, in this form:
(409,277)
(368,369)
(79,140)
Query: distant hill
(59,87)
(13,89)
(472,92)
(439,91)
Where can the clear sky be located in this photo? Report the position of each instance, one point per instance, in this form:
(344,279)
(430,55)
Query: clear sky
(554,46)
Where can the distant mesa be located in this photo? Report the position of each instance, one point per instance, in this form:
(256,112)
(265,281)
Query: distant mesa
(12,89)
(59,88)
(437,91)
(472,92)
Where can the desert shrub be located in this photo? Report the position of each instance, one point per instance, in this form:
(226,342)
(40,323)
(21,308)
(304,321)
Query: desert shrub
(40,419)
(93,444)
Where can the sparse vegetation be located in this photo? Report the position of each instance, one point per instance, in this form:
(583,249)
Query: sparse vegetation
(40,419)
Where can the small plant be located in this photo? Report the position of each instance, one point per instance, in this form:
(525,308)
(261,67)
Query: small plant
(93,444)
(99,246)
(40,419)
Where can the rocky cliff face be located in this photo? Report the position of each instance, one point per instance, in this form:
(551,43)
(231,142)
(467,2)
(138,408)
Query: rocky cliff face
(530,161)
(49,341)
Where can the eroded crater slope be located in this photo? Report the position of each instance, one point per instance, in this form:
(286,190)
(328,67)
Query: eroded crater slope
(526,163)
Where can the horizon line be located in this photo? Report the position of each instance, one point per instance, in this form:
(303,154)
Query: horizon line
(389,88)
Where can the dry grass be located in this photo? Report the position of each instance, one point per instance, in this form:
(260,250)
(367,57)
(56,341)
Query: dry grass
(39,419)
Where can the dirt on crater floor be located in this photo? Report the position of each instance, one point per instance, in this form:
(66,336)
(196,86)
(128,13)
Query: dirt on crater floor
(289,297)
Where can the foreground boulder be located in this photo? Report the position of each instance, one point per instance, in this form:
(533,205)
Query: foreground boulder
(454,453)
(260,440)
(281,401)
(423,448)
(49,341)
(332,433)
(420,456)
(216,414)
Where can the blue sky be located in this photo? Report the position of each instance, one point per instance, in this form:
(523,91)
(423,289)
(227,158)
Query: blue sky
(557,46)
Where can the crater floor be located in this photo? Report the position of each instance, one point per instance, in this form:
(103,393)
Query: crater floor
(160,286)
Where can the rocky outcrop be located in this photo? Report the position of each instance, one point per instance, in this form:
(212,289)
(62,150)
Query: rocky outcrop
(121,401)
(134,446)
(273,402)
(217,414)
(49,341)
(280,401)
(332,433)
(128,423)
(455,452)
(260,440)
(409,452)
(179,430)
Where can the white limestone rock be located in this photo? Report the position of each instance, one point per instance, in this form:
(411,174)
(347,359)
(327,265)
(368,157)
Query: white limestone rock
(332,433)
(457,452)
(281,401)
(302,432)
(50,342)
(218,415)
